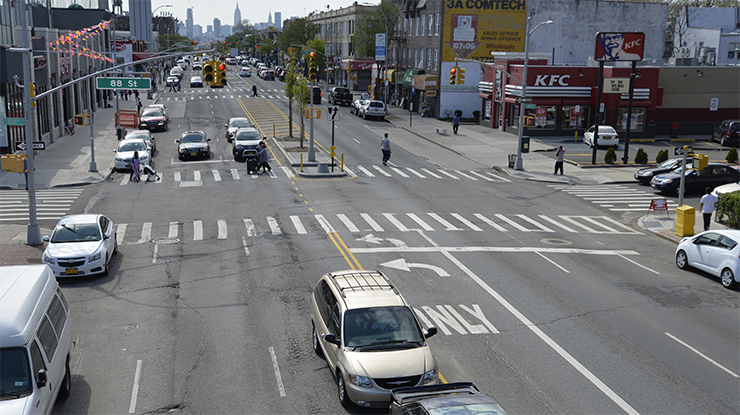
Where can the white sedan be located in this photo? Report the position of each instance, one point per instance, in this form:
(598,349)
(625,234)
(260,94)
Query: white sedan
(81,245)
(125,152)
(715,252)
(608,137)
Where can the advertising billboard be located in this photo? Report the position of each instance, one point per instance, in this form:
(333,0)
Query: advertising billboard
(475,28)
(615,46)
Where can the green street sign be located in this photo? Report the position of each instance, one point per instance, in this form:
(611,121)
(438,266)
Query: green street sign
(530,106)
(14,121)
(124,83)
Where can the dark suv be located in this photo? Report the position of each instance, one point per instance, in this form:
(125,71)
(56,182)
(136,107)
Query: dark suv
(341,96)
(315,95)
(728,133)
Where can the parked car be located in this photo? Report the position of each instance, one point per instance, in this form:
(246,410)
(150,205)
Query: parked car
(716,252)
(727,133)
(196,82)
(234,124)
(370,337)
(245,71)
(153,119)
(80,245)
(726,188)
(608,136)
(145,135)
(449,398)
(373,108)
(193,144)
(316,95)
(246,139)
(714,174)
(356,105)
(162,108)
(645,175)
(340,96)
(125,152)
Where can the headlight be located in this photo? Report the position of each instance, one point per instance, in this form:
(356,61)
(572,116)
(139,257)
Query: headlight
(118,158)
(161,122)
(429,376)
(49,260)
(181,150)
(94,257)
(361,381)
(646,173)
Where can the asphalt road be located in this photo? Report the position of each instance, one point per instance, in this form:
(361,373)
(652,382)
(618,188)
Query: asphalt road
(547,301)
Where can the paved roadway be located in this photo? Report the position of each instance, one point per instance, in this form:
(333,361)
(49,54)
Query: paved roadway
(548,302)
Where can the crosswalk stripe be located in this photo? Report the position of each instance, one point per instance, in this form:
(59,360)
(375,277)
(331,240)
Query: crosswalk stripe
(467,223)
(490,222)
(481,176)
(392,219)
(443,222)
(448,174)
(366,171)
(125,180)
(234,174)
(120,233)
(370,221)
(416,173)
(272,174)
(196,175)
(421,223)
(251,230)
(216,175)
(498,177)
(350,172)
(298,225)
(556,223)
(429,172)
(197,230)
(535,223)
(402,174)
(177,176)
(348,223)
(173,230)
(465,175)
(511,222)
(324,224)
(381,171)
(288,172)
(274,227)
(146,232)
(222,229)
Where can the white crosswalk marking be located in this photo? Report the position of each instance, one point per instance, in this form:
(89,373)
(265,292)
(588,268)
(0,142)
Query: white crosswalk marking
(465,175)
(125,180)
(173,230)
(324,224)
(512,223)
(491,223)
(402,174)
(499,178)
(146,232)
(421,223)
(443,222)
(196,175)
(416,173)
(197,230)
(370,221)
(448,174)
(467,223)
(616,198)
(556,223)
(429,172)
(50,204)
(274,227)
(350,172)
(288,172)
(348,223)
(366,171)
(222,229)
(216,175)
(392,219)
(251,230)
(234,174)
(178,178)
(272,174)
(535,223)
(298,225)
(381,171)
(475,173)
(120,233)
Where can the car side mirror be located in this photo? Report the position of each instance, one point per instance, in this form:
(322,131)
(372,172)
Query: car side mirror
(45,238)
(695,241)
(208,139)
(42,378)
(106,235)
(177,141)
(430,332)
(227,125)
(331,339)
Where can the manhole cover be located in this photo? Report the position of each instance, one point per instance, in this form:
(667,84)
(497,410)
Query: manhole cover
(555,241)
(165,241)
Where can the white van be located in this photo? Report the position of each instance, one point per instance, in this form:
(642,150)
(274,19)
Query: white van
(35,340)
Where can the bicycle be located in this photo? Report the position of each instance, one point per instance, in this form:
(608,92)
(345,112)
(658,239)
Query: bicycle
(69,129)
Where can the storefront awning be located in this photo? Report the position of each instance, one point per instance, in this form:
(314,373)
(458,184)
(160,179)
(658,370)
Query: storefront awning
(408,77)
(426,82)
(390,75)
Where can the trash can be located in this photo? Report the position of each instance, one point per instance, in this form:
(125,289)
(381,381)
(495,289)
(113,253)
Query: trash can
(525,144)
(512,160)
(674,130)
(149,94)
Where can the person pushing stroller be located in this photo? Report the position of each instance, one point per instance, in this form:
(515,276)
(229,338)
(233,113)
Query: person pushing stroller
(263,157)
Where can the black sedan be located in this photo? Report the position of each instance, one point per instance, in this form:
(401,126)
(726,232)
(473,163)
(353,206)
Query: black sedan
(714,174)
(153,119)
(193,144)
(645,175)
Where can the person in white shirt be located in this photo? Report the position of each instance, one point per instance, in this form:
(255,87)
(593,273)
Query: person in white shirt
(708,202)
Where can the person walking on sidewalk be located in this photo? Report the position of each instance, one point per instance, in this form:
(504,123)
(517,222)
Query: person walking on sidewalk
(385,147)
(455,124)
(708,202)
(138,105)
(559,161)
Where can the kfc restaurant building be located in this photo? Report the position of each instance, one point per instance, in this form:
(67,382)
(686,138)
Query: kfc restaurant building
(564,98)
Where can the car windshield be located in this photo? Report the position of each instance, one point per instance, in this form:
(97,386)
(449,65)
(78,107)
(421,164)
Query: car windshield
(382,327)
(689,170)
(248,136)
(15,378)
(152,113)
(239,123)
(192,138)
(76,232)
(669,163)
(473,409)
(132,146)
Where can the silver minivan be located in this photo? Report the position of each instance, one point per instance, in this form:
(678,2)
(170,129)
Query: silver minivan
(35,340)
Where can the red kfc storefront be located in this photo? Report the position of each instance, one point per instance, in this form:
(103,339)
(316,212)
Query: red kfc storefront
(563,99)
(358,73)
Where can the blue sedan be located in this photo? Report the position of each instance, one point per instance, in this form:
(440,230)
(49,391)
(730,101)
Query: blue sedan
(714,174)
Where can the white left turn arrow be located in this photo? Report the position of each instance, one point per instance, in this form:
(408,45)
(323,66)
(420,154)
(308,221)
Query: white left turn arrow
(405,266)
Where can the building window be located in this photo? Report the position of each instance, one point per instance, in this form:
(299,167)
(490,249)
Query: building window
(540,117)
(430,25)
(416,59)
(416,26)
(436,24)
(638,119)
(575,117)
(435,66)
(424,25)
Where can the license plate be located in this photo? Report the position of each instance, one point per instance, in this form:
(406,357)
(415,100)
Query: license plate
(71,271)
(193,154)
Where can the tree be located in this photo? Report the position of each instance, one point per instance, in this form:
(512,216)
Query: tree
(298,32)
(386,14)
(179,42)
(302,94)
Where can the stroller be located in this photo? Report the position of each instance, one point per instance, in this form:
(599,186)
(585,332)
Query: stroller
(252,158)
(149,171)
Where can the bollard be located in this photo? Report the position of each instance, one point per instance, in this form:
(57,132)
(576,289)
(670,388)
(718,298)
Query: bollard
(342,161)
(273,131)
(301,162)
(576,136)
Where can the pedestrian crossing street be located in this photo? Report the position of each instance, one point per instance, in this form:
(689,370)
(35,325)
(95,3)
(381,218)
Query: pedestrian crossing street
(50,204)
(616,198)
(197,178)
(227,92)
(199,230)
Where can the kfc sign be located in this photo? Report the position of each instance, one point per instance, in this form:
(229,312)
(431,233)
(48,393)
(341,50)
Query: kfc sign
(619,46)
(551,80)
(119,47)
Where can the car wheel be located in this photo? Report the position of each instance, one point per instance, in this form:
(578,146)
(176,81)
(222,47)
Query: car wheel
(364,115)
(66,386)
(723,141)
(315,342)
(115,247)
(105,266)
(728,278)
(342,390)
(677,190)
(682,260)
(616,146)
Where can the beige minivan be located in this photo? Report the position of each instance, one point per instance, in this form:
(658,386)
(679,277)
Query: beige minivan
(35,340)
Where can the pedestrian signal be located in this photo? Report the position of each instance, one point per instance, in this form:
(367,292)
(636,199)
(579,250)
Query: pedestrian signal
(453,75)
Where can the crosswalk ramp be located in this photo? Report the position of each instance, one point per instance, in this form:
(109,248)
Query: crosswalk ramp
(361,223)
(50,204)
(616,198)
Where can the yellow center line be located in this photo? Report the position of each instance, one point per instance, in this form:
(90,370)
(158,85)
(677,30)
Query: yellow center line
(331,236)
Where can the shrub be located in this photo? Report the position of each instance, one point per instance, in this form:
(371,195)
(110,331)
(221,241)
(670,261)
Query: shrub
(610,157)
(641,157)
(662,156)
(732,155)
(729,205)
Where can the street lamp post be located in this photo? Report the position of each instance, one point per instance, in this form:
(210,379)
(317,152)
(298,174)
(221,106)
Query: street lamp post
(155,10)
(519,164)
(385,46)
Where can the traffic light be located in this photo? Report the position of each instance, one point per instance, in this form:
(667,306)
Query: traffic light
(312,67)
(453,75)
(460,76)
(221,75)
(33,94)
(209,72)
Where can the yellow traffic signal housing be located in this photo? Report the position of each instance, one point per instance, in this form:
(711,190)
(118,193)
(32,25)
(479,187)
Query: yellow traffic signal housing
(33,94)
(13,163)
(699,161)
(209,72)
(453,75)
(460,76)
(221,75)
(312,67)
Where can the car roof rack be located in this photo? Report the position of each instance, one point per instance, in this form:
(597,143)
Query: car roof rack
(361,281)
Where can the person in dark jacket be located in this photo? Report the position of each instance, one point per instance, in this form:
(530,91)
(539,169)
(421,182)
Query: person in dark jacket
(263,157)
